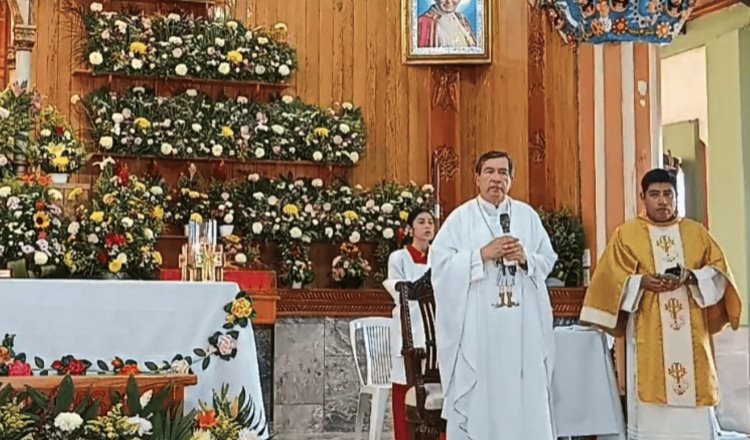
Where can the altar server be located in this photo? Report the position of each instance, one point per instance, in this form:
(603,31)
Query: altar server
(495,346)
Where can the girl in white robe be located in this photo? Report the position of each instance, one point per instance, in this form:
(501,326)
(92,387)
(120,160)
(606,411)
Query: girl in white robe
(407,264)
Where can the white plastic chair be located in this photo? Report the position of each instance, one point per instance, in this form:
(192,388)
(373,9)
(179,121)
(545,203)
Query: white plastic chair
(376,333)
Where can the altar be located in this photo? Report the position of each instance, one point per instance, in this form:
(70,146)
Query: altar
(131,327)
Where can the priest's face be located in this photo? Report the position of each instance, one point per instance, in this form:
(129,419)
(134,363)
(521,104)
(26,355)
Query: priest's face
(424,227)
(660,200)
(447,5)
(494,180)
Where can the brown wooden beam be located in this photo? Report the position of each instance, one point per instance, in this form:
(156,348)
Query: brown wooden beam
(704,7)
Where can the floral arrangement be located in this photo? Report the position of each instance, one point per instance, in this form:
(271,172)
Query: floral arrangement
(184,46)
(188,203)
(567,237)
(10,363)
(221,204)
(191,124)
(32,234)
(19,108)
(349,267)
(240,254)
(226,419)
(113,236)
(57,150)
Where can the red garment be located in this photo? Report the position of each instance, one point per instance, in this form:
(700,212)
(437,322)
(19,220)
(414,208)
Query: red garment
(417,256)
(398,399)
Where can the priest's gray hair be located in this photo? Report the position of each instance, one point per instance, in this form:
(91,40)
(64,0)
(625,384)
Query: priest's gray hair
(494,154)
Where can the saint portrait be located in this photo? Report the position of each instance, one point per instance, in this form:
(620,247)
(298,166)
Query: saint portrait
(446,31)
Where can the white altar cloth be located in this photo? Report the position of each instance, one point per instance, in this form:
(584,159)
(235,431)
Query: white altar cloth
(140,320)
(585,397)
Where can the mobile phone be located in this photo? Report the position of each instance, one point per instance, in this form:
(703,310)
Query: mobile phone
(674,273)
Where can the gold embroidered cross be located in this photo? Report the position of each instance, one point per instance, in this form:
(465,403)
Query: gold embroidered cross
(666,244)
(674,307)
(678,372)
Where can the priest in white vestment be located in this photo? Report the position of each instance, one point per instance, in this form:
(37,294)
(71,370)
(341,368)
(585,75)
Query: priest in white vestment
(494,318)
(664,283)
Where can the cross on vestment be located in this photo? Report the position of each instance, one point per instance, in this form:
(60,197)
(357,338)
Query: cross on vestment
(673,307)
(677,371)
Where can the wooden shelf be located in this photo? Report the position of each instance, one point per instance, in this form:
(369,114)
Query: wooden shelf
(333,303)
(164,2)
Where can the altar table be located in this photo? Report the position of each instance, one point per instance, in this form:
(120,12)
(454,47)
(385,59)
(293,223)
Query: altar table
(585,396)
(146,321)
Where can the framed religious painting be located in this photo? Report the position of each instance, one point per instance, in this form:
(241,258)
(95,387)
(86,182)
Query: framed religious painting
(446,31)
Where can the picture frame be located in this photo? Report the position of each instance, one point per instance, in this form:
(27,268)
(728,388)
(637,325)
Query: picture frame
(5,273)
(446,31)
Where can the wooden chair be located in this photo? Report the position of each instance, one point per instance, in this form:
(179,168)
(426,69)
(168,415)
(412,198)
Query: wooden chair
(424,400)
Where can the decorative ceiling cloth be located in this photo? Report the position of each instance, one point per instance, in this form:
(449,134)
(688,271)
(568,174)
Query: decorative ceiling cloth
(615,21)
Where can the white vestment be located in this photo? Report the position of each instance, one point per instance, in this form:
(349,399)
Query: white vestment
(453,32)
(495,363)
(401,267)
(680,419)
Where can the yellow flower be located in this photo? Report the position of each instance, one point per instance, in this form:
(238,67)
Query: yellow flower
(291,210)
(234,57)
(41,220)
(230,319)
(194,194)
(138,47)
(195,217)
(233,239)
(115,265)
(74,194)
(157,257)
(140,187)
(142,123)
(158,212)
(97,216)
(129,237)
(108,199)
(68,260)
(227,132)
(321,131)
(56,149)
(60,163)
(241,308)
(403,215)
(351,215)
(280,27)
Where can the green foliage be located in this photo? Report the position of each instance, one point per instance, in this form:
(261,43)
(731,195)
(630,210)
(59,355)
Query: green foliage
(568,241)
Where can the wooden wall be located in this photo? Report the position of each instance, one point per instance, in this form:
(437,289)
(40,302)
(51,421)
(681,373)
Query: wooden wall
(525,102)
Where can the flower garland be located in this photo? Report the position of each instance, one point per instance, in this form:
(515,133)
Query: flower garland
(57,150)
(32,230)
(183,46)
(18,110)
(191,125)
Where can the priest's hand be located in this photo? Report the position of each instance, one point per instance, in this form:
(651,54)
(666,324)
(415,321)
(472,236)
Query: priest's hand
(498,248)
(657,284)
(515,252)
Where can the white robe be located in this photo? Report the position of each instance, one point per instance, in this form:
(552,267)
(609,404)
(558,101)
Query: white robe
(664,422)
(495,363)
(401,267)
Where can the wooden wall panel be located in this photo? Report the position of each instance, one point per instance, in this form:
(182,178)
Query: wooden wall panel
(349,50)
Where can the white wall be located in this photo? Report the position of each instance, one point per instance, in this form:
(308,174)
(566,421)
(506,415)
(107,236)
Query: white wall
(684,90)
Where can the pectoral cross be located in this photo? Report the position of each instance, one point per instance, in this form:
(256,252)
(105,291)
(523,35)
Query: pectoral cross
(673,307)
(678,372)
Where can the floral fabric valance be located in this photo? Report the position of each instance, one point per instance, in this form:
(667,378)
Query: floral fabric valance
(613,21)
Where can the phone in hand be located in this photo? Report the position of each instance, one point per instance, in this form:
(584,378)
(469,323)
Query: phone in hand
(673,273)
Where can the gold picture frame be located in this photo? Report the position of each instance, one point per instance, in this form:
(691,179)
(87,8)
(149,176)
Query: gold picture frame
(446,31)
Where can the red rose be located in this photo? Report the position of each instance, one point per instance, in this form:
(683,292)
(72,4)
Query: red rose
(18,368)
(129,369)
(76,368)
(115,240)
(124,175)
(59,131)
(117,364)
(102,257)
(40,205)
(57,365)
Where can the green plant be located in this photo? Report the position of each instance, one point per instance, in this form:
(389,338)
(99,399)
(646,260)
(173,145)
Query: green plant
(566,234)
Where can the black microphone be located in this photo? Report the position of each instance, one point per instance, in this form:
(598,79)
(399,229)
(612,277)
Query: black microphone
(505,225)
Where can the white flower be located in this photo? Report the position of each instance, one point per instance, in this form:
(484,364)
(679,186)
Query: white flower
(219,42)
(191,92)
(253,177)
(248,35)
(75,99)
(196,128)
(240,258)
(287,99)
(216,150)
(93,239)
(144,426)
(5,191)
(136,64)
(387,208)
(40,258)
(354,157)
(173,17)
(224,68)
(387,233)
(260,70)
(228,219)
(295,232)
(258,196)
(181,69)
(278,129)
(4,113)
(317,156)
(202,435)
(148,233)
(246,434)
(273,200)
(106,142)
(139,89)
(146,398)
(3,160)
(117,118)
(354,237)
(317,183)
(257,228)
(259,152)
(156,190)
(329,232)
(344,128)
(226,344)
(406,195)
(45,133)
(175,40)
(123,258)
(166,149)
(347,106)
(68,421)
(284,70)
(231,24)
(338,140)
(96,58)
(96,7)
(262,40)
(180,366)
(427,188)
(55,195)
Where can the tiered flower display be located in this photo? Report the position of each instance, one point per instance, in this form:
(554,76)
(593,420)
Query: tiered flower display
(350,268)
(183,46)
(57,150)
(192,124)
(114,235)
(188,202)
(32,229)
(18,110)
